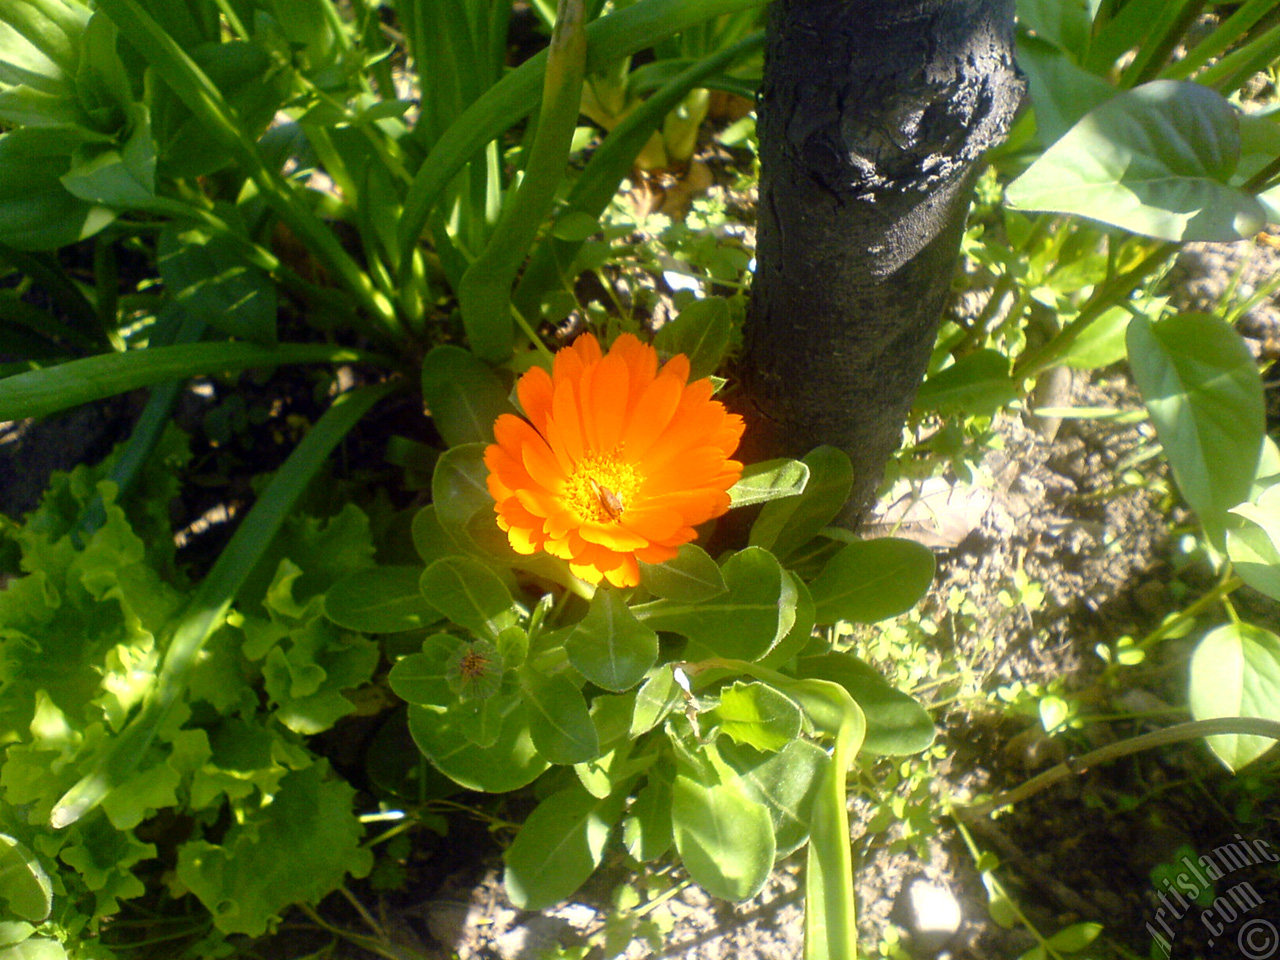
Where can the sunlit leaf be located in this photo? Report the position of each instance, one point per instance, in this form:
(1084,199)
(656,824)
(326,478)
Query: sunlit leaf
(1156,160)
(1235,672)
(1202,388)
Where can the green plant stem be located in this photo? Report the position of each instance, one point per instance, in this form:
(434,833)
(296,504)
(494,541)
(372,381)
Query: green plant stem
(1220,592)
(1260,180)
(1245,726)
(1104,298)
(372,944)
(365,915)
(1004,283)
(484,293)
(976,854)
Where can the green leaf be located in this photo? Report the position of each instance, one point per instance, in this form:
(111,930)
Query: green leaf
(36,210)
(1156,160)
(458,490)
(558,847)
(429,538)
(295,849)
(24,886)
(14,931)
(1061,92)
(1101,344)
(786,525)
(976,384)
(1064,23)
(691,576)
(423,678)
(801,632)
(44,39)
(471,595)
(212,599)
(121,179)
(41,392)
(380,600)
(610,647)
(743,624)
(700,332)
(896,723)
(509,764)
(786,783)
(646,831)
(1076,937)
(306,678)
(872,580)
(1202,389)
(770,480)
(757,715)
(37,948)
(1235,672)
(209,279)
(655,699)
(724,838)
(558,718)
(463,395)
(609,39)
(1254,547)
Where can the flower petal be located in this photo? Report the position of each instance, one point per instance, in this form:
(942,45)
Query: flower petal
(534,391)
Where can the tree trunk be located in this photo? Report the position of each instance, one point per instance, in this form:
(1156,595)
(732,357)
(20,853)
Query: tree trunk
(873,117)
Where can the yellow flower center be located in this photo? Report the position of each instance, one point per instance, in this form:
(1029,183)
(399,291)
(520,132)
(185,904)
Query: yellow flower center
(602,487)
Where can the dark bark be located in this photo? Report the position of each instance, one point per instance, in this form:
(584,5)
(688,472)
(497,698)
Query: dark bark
(873,117)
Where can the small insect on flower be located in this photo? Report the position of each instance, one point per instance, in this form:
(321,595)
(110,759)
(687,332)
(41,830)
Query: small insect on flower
(609,501)
(616,460)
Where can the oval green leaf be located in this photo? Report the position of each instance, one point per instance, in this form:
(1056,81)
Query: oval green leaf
(558,848)
(511,763)
(559,720)
(756,715)
(691,576)
(24,886)
(423,678)
(786,525)
(724,838)
(1235,672)
(871,580)
(786,783)
(381,600)
(610,647)
(471,595)
(770,480)
(896,723)
(1202,389)
(745,623)
(463,395)
(459,490)
(700,332)
(1156,160)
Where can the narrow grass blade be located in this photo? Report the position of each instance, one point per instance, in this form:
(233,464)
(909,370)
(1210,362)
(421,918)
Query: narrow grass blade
(40,392)
(515,96)
(485,291)
(593,190)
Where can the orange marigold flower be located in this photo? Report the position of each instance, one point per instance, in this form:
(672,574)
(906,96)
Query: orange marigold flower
(617,460)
